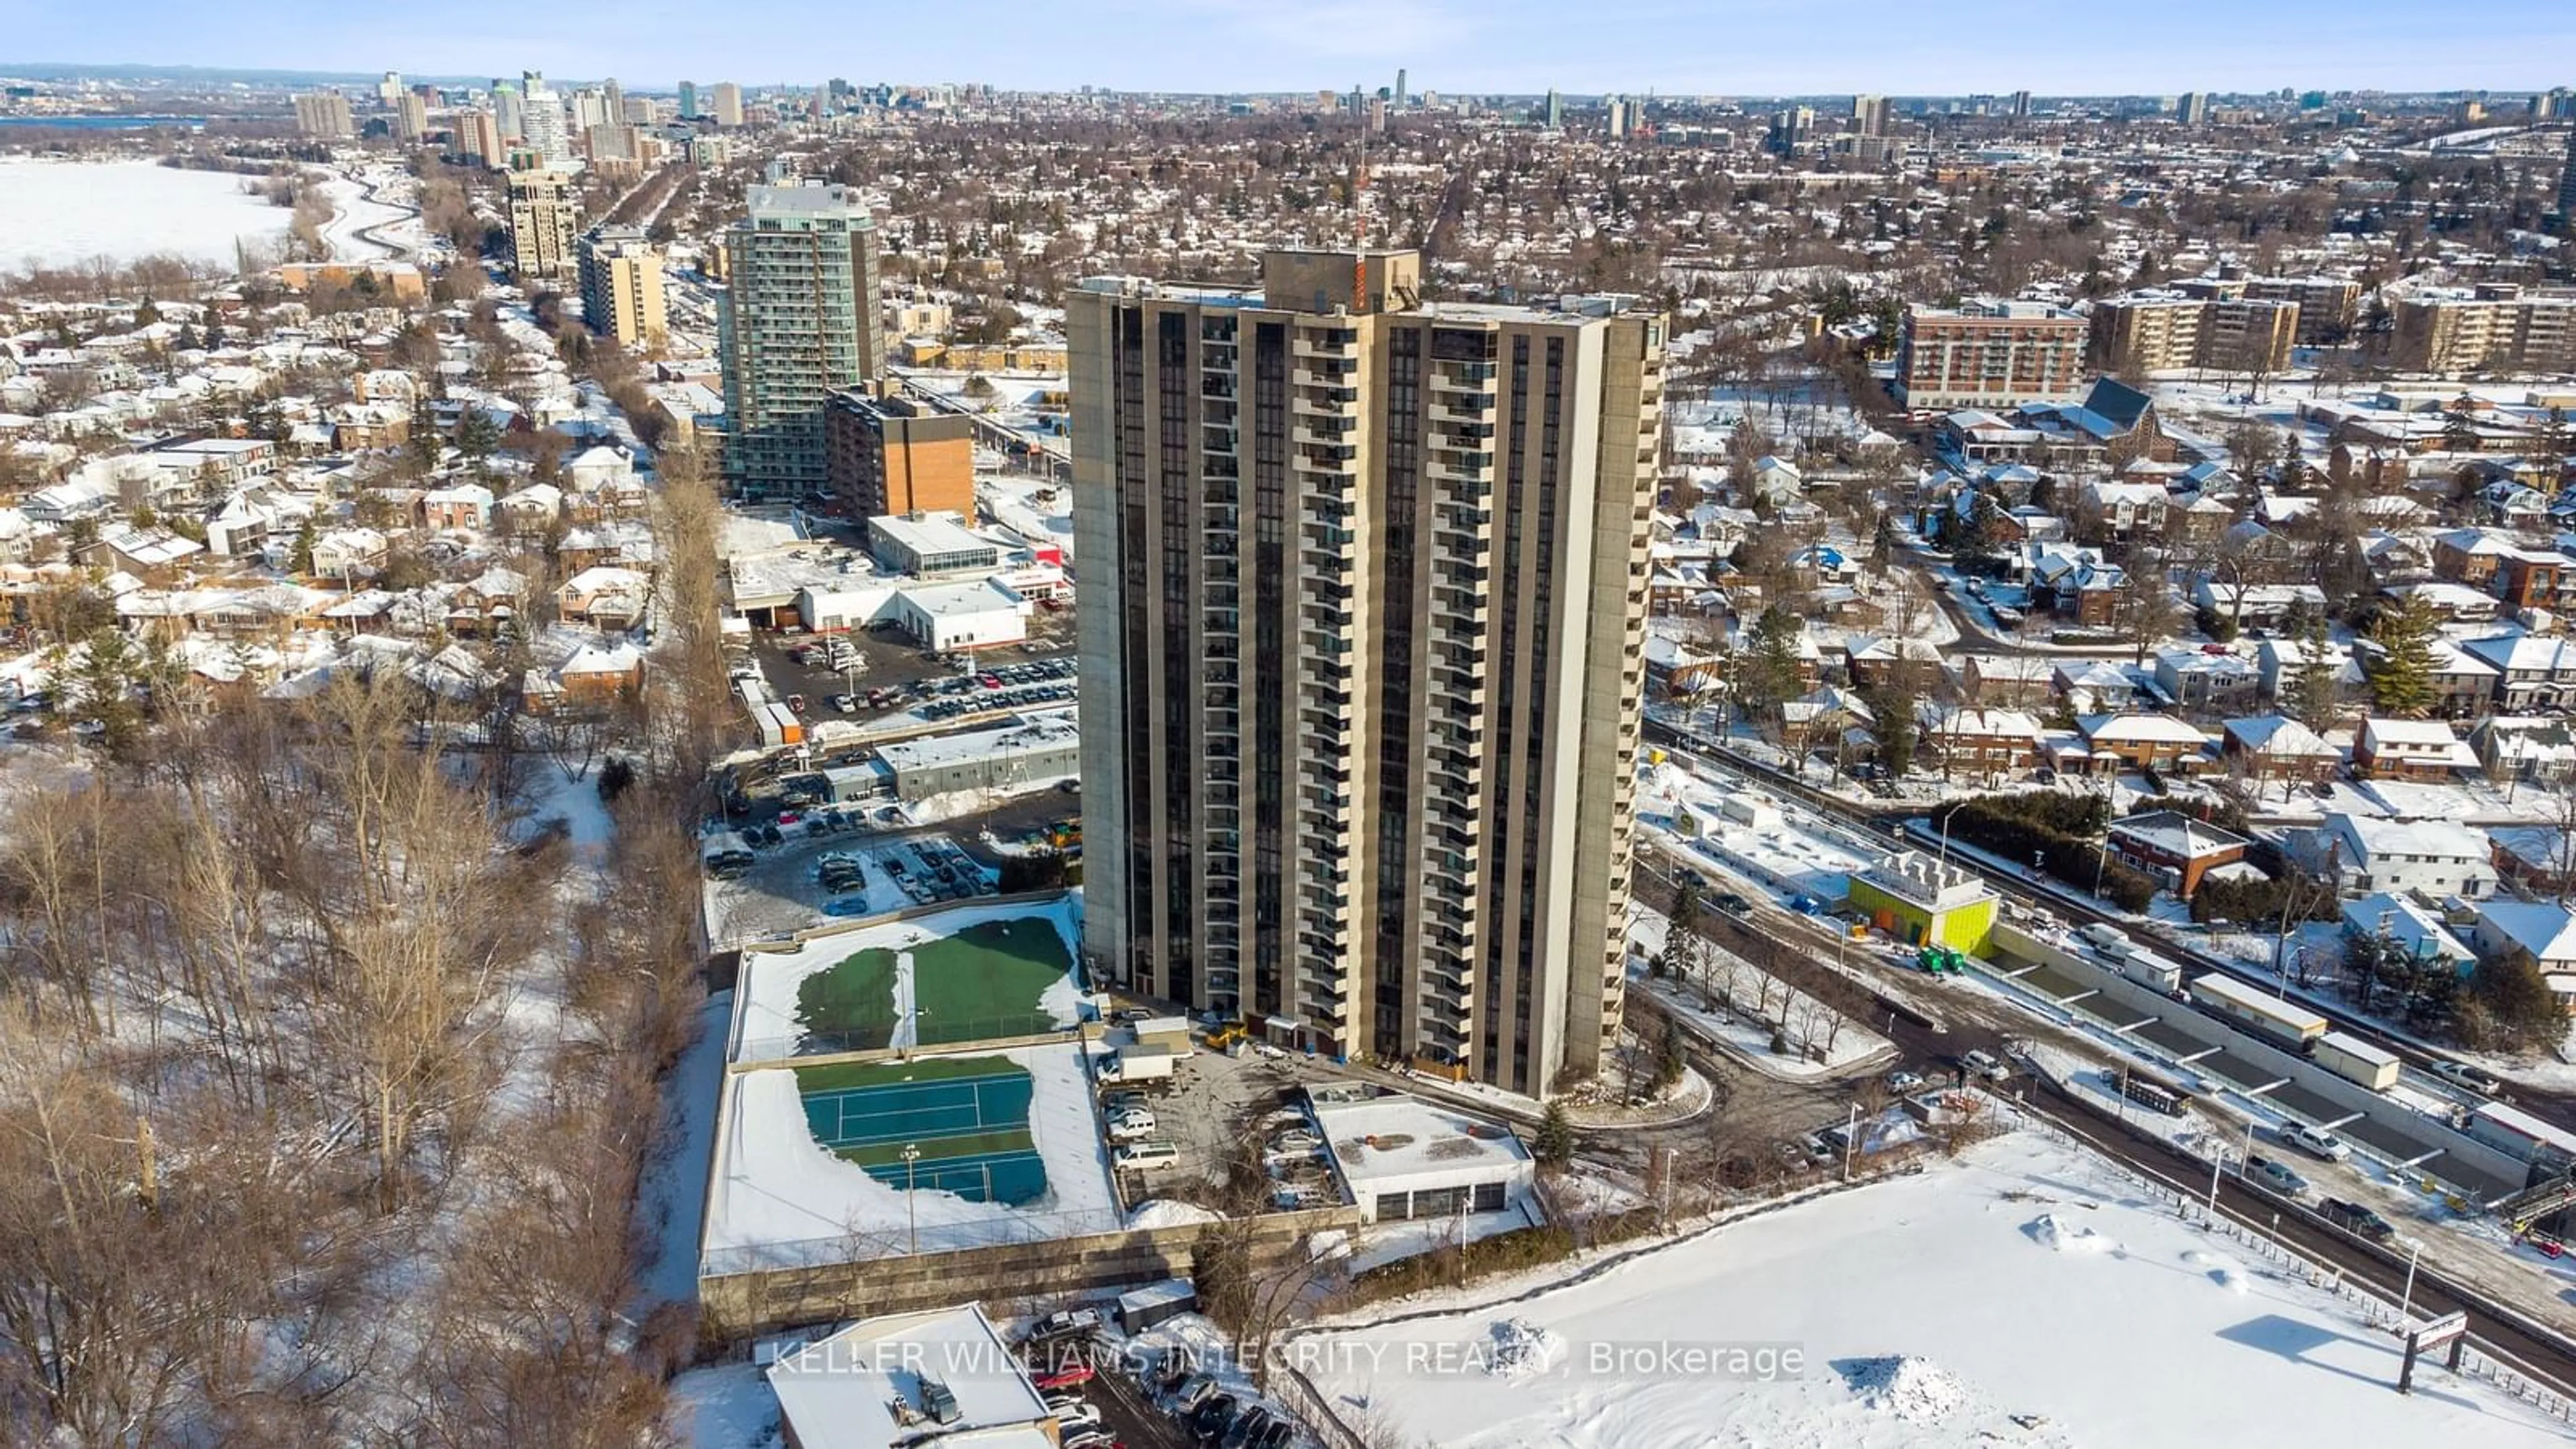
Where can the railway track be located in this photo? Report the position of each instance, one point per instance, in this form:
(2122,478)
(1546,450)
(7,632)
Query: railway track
(2556,1108)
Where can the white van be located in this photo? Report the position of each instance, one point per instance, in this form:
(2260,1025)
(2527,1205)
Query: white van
(1145,1156)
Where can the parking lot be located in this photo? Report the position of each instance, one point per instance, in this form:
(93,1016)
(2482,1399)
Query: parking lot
(804,879)
(800,666)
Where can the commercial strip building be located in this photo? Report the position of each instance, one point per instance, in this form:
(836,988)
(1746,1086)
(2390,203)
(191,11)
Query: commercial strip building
(893,456)
(1036,749)
(796,324)
(545,219)
(930,546)
(1990,353)
(1362,643)
(1925,902)
(621,286)
(1401,1157)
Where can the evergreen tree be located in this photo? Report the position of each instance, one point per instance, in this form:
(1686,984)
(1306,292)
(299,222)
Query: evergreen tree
(2518,1004)
(2310,697)
(423,441)
(2401,677)
(1553,1144)
(2460,426)
(305,535)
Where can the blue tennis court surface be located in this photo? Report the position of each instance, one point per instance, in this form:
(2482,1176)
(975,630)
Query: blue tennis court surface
(967,1121)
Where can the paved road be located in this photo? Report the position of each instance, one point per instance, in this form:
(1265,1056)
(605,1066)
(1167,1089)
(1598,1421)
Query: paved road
(1976,1022)
(2553,1106)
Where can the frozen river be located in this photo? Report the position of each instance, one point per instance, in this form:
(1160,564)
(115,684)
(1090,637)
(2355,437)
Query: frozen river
(60,212)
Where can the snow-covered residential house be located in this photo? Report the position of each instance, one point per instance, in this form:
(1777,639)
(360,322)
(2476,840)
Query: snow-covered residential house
(2533,671)
(604,597)
(2428,858)
(344,553)
(458,505)
(2275,747)
(2535,931)
(2409,749)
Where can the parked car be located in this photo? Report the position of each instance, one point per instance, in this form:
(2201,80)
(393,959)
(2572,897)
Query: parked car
(2468,1078)
(1131,1125)
(1983,1063)
(844,704)
(2317,1141)
(1064,1324)
(1904,1084)
(1147,1155)
(2264,1172)
(2357,1220)
(1065,1377)
(1079,1416)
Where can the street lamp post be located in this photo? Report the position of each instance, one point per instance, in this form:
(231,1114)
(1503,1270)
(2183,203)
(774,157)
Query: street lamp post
(2406,1301)
(911,1222)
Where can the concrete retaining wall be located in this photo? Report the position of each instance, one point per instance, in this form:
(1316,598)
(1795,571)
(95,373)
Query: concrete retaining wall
(742,1305)
(2465,1164)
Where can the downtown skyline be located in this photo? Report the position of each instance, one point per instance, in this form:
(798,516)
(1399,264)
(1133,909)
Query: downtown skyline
(1745,47)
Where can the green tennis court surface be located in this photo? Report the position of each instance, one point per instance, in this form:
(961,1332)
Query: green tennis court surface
(967,1116)
(981,982)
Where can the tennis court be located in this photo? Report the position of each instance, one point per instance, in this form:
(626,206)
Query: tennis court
(968,1117)
(975,984)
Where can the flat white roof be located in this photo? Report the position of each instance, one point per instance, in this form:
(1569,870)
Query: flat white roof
(1396,1136)
(929,533)
(2235,992)
(844,1390)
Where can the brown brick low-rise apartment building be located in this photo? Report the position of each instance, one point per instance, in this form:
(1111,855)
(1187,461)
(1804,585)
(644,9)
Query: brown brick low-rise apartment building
(1989,353)
(895,456)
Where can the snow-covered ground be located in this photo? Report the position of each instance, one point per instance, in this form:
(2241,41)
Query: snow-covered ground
(58,213)
(1746,1031)
(781,1198)
(672,1201)
(353,212)
(2025,1295)
(770,979)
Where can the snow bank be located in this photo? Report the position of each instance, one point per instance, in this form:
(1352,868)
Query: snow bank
(1912,1389)
(2058,1235)
(1522,1348)
(1162,1212)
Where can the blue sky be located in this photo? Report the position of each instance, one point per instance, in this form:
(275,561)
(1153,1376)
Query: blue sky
(1672,46)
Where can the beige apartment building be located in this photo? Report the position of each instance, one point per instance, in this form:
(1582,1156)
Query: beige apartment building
(2328,306)
(325,114)
(2492,327)
(545,218)
(2166,331)
(1989,353)
(621,287)
(1363,599)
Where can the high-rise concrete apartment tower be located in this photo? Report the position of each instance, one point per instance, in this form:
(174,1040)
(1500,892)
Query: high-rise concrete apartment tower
(1361,627)
(621,287)
(1555,111)
(545,217)
(797,323)
(725,102)
(542,122)
(688,100)
(411,117)
(1869,113)
(2567,187)
(509,113)
(325,114)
